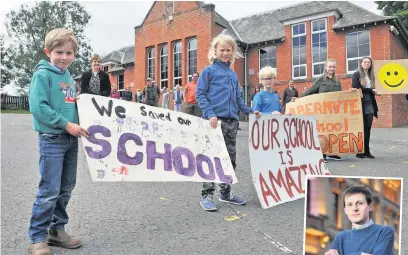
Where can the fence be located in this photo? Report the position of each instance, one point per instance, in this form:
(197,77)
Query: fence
(13,102)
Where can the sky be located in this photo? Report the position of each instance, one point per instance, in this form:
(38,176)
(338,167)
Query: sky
(112,23)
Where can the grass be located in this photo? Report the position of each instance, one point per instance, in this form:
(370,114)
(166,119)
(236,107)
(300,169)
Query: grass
(17,111)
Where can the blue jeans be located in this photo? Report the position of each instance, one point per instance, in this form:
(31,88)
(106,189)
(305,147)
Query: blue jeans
(58,168)
(177,107)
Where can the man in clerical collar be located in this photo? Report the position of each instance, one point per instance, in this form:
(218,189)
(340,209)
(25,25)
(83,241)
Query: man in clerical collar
(365,237)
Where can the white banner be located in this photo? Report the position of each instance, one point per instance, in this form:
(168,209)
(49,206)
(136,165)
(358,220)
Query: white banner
(136,142)
(282,150)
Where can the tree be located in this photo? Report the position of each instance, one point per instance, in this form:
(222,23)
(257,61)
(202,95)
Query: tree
(27,28)
(6,76)
(395,8)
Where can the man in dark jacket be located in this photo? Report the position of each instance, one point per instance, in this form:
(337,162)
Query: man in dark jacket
(151,93)
(288,94)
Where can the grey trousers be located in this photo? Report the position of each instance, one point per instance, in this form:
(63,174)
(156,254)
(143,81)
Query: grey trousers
(229,129)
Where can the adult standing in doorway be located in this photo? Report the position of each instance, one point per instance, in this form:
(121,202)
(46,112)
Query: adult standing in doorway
(151,93)
(190,103)
(289,92)
(178,98)
(95,81)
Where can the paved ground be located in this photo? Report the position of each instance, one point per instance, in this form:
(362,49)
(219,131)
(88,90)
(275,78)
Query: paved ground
(131,218)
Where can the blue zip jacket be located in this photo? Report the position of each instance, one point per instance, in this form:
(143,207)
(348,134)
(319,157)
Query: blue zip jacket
(218,93)
(52,99)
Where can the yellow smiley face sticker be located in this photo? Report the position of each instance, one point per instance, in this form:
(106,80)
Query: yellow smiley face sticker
(393,76)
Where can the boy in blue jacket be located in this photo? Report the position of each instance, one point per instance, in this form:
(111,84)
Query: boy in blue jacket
(52,98)
(267,101)
(366,237)
(219,98)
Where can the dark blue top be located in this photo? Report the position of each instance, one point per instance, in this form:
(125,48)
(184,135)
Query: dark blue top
(218,93)
(375,240)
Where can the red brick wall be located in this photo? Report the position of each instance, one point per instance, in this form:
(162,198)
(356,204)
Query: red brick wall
(188,21)
(392,109)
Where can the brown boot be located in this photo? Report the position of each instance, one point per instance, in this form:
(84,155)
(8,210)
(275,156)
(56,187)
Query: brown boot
(63,239)
(40,249)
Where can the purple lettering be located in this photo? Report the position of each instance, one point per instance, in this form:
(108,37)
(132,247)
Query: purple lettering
(106,147)
(122,154)
(178,162)
(199,161)
(220,172)
(152,155)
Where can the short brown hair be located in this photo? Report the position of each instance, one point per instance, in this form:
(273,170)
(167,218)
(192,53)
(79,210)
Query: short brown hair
(58,37)
(95,57)
(358,189)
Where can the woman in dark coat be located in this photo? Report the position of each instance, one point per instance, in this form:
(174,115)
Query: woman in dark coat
(95,81)
(363,79)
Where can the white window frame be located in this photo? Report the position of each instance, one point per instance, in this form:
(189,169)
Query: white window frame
(123,82)
(311,41)
(293,66)
(345,40)
(190,76)
(107,68)
(181,60)
(148,62)
(161,57)
(259,56)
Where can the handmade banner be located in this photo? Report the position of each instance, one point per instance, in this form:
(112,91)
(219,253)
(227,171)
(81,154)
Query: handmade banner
(282,150)
(391,76)
(339,120)
(137,142)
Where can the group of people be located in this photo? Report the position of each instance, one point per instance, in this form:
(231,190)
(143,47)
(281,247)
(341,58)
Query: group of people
(97,82)
(267,100)
(214,95)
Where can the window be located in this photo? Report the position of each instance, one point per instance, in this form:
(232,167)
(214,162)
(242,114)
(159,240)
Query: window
(150,63)
(299,51)
(164,67)
(267,57)
(192,58)
(358,46)
(121,82)
(105,69)
(319,46)
(177,64)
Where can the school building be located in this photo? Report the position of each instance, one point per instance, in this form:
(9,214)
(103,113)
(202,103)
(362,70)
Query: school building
(325,216)
(173,40)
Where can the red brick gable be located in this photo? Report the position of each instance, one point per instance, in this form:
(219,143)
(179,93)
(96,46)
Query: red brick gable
(164,9)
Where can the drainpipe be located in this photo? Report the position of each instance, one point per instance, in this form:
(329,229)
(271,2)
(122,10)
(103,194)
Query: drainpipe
(245,75)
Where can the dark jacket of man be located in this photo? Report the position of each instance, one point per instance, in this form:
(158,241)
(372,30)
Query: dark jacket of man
(288,94)
(105,85)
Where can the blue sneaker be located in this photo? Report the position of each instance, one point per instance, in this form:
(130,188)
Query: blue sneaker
(231,198)
(207,203)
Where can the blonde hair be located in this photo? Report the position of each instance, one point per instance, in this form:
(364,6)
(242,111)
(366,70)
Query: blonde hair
(267,71)
(227,39)
(370,73)
(325,71)
(58,37)
(95,57)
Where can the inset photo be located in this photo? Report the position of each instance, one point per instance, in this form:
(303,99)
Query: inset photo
(349,215)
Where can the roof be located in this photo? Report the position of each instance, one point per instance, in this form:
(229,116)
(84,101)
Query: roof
(268,25)
(117,68)
(124,55)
